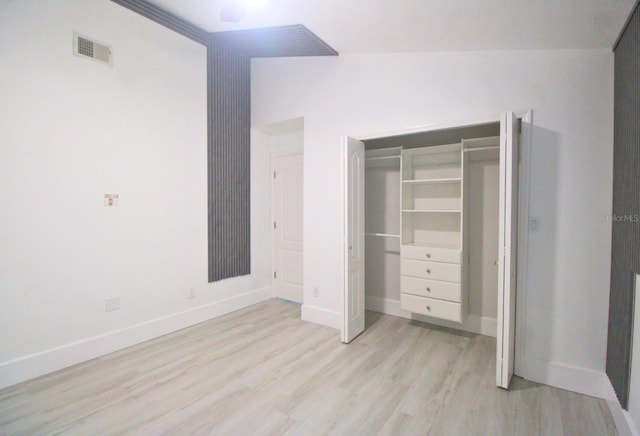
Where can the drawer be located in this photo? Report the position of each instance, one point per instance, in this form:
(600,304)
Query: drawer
(431,288)
(431,307)
(430,254)
(447,272)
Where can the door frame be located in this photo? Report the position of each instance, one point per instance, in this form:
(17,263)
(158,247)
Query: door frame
(272,157)
(524,189)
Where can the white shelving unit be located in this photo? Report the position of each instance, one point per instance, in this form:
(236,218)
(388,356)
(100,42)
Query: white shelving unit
(431,255)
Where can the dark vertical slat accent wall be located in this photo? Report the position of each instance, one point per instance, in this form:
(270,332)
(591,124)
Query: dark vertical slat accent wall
(625,256)
(229,81)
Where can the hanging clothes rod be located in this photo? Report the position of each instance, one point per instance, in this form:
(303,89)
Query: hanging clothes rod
(381,157)
(384,235)
(493,147)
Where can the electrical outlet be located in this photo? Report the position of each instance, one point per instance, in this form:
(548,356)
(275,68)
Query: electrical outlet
(192,294)
(316,292)
(111,304)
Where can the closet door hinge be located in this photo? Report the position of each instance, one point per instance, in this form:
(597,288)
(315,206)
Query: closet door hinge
(274,225)
(275,275)
(274,174)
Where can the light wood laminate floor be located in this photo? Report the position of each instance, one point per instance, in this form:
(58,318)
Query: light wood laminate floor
(262,370)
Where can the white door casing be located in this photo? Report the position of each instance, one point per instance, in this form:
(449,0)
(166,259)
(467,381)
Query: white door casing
(287,214)
(508,249)
(353,170)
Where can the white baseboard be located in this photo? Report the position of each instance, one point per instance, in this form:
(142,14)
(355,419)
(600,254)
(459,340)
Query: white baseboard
(622,419)
(572,378)
(473,323)
(319,315)
(35,365)
(631,426)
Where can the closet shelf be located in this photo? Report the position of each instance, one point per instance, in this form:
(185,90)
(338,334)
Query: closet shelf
(432,245)
(492,147)
(384,235)
(433,181)
(381,158)
(431,211)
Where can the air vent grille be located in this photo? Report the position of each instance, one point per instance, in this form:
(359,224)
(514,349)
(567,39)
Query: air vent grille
(89,48)
(85,47)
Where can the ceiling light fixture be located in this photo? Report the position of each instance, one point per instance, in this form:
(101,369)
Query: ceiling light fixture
(236,10)
(254,4)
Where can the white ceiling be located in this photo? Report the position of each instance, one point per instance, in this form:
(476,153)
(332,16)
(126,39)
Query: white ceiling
(355,26)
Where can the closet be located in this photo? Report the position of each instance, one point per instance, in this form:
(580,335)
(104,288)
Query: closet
(431,229)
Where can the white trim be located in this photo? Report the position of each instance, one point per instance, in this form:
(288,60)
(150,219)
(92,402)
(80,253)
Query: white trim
(427,128)
(44,362)
(628,420)
(572,378)
(524,181)
(322,316)
(474,324)
(622,419)
(345,257)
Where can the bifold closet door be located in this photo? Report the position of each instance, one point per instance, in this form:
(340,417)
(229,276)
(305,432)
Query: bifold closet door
(353,170)
(508,248)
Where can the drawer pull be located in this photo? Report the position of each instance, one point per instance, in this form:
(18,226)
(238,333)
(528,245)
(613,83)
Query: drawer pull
(429,308)
(428,289)
(429,255)
(428,271)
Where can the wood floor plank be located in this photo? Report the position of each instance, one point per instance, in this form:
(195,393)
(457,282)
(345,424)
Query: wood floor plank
(262,370)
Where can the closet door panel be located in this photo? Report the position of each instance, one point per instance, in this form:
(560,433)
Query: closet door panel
(430,270)
(431,288)
(431,254)
(431,307)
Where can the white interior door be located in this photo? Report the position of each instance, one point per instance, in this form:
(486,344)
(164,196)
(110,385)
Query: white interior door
(353,310)
(508,248)
(287,201)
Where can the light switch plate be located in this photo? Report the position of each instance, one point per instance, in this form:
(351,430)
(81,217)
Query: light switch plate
(534,224)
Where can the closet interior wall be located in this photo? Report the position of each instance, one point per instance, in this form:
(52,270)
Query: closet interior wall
(382,227)
(482,234)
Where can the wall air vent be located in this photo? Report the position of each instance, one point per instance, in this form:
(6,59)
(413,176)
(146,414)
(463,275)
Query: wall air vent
(92,49)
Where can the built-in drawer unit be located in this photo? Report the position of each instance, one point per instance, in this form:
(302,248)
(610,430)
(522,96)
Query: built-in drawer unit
(447,272)
(431,288)
(430,254)
(431,307)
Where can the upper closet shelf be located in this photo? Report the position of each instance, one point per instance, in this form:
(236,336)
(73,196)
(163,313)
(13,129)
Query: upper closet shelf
(381,158)
(383,235)
(494,147)
(431,210)
(433,181)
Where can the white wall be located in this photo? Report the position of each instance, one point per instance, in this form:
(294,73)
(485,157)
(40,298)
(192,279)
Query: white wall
(72,130)
(571,94)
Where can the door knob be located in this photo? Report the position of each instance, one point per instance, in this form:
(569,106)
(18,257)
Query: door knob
(428,271)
